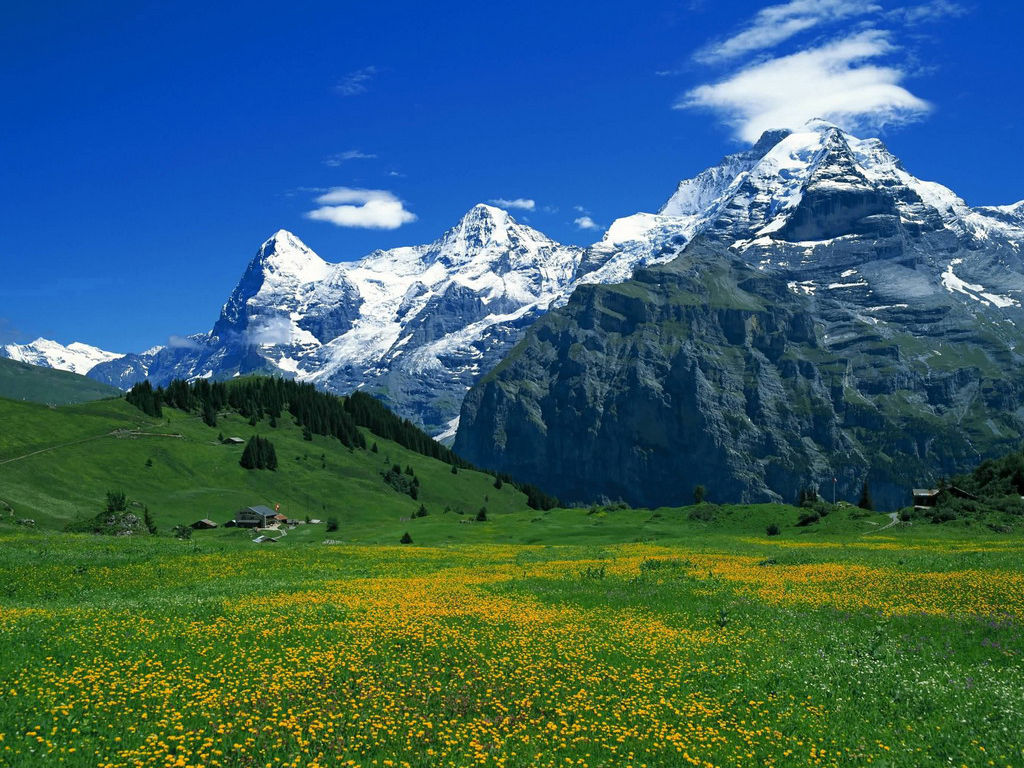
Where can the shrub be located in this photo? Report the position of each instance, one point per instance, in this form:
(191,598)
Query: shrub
(705,513)
(332,524)
(773,530)
(406,538)
(116,501)
(808,518)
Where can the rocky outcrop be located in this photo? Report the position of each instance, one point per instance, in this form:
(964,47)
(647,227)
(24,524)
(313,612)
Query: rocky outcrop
(707,371)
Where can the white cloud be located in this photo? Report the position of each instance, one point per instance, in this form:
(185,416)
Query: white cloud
(585,222)
(777,23)
(270,330)
(182,342)
(365,208)
(836,82)
(356,82)
(343,157)
(933,11)
(522,203)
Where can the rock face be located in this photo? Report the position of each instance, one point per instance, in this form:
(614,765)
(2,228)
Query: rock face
(826,315)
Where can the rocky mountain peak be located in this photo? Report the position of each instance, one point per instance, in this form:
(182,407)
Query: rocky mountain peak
(283,253)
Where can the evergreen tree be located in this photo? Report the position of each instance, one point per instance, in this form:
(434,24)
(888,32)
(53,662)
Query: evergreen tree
(698,494)
(865,501)
(116,501)
(147,519)
(422,511)
(497,483)
(259,453)
(481,516)
(209,414)
(270,455)
(249,455)
(145,399)
(406,538)
(455,470)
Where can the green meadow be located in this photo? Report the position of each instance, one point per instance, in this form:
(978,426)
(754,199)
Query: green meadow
(599,636)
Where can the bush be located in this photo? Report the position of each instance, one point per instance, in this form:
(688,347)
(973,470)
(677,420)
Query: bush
(773,530)
(406,538)
(808,518)
(401,482)
(332,524)
(705,513)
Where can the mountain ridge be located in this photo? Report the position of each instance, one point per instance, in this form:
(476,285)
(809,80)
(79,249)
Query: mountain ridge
(418,325)
(914,299)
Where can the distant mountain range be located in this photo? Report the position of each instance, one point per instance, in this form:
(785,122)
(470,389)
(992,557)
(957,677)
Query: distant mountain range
(415,326)
(903,292)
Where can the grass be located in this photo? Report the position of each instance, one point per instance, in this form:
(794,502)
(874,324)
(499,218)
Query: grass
(730,649)
(572,637)
(20,381)
(74,455)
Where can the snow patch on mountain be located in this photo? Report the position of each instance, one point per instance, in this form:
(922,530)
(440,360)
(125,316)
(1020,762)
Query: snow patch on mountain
(75,357)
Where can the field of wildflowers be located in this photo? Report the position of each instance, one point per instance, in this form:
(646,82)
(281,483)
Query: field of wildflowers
(729,652)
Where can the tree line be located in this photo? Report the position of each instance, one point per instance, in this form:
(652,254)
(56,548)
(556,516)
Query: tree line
(318,413)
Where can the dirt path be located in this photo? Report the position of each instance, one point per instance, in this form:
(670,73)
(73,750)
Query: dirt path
(894,518)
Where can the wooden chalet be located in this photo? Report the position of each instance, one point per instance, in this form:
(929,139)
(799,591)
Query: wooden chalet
(204,524)
(929,497)
(254,517)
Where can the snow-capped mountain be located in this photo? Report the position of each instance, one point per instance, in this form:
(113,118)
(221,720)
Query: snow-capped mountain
(812,314)
(418,325)
(832,209)
(76,357)
(415,325)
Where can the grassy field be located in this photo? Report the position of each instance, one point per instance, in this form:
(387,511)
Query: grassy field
(572,637)
(19,381)
(56,465)
(721,649)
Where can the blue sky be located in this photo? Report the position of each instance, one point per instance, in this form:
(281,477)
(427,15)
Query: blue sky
(150,147)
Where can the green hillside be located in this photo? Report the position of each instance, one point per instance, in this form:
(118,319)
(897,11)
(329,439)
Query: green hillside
(57,464)
(20,381)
